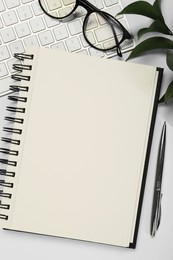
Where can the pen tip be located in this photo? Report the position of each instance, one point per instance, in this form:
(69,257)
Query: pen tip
(153,232)
(164,127)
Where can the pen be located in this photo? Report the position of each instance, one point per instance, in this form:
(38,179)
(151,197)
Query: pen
(157,196)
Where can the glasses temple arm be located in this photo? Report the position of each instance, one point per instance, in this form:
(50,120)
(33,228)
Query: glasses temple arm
(113,20)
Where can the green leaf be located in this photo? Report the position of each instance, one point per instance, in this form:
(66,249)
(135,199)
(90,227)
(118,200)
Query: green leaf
(143,8)
(169,59)
(162,99)
(156,26)
(169,93)
(143,31)
(157,6)
(151,44)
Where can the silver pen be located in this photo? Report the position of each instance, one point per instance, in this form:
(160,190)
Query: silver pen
(157,196)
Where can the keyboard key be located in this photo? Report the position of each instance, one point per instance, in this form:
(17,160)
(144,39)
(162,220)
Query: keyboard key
(1,24)
(60,32)
(8,35)
(24,13)
(97,3)
(73,44)
(59,46)
(94,52)
(68,2)
(75,27)
(104,33)
(12,3)
(92,22)
(101,20)
(3,70)
(110,2)
(16,47)
(53,4)
(111,53)
(84,42)
(114,10)
(50,22)
(68,18)
(83,52)
(31,41)
(90,37)
(109,44)
(4,53)
(80,11)
(2,6)
(65,11)
(36,8)
(118,29)
(44,6)
(22,30)
(127,44)
(10,18)
(37,24)
(27,1)
(46,38)
(10,64)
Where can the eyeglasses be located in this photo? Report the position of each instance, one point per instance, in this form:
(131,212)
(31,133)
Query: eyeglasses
(101,30)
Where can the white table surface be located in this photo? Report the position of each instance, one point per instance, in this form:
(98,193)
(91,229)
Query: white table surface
(17,245)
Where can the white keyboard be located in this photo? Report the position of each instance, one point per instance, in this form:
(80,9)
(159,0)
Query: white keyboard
(23,23)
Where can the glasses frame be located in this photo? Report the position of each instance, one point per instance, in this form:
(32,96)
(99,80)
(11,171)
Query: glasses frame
(112,21)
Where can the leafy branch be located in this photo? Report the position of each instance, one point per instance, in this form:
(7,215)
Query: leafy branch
(153,43)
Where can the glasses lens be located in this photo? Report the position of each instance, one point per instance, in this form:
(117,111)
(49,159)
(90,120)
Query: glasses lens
(58,8)
(100,33)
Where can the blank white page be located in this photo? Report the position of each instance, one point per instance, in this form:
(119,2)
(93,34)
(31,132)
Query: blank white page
(83,147)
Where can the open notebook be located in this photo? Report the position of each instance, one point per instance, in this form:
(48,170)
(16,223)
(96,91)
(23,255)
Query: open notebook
(80,131)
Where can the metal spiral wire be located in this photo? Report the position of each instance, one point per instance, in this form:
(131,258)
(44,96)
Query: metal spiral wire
(17,118)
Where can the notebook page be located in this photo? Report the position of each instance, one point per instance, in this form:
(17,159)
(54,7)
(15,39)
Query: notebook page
(83,148)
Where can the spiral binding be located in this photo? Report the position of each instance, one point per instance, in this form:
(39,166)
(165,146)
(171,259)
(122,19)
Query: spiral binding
(13,130)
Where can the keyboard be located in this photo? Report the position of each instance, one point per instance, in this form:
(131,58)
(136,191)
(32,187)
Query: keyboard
(23,24)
